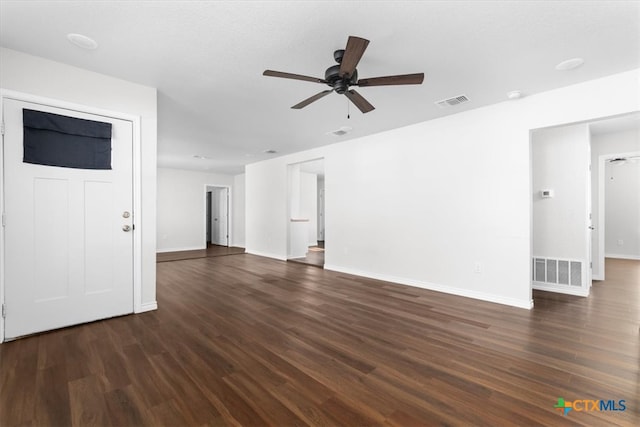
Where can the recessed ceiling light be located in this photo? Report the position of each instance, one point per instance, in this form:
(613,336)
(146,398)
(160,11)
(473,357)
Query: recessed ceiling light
(197,156)
(270,151)
(570,64)
(82,41)
(514,94)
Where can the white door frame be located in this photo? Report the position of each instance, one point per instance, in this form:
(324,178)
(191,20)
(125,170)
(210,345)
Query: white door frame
(137,187)
(600,226)
(229,213)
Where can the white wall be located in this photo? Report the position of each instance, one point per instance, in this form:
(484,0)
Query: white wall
(622,210)
(560,159)
(238,212)
(606,145)
(45,78)
(458,188)
(267,213)
(181,207)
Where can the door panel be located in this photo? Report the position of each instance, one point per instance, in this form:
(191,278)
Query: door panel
(208,217)
(220,216)
(223,220)
(68,259)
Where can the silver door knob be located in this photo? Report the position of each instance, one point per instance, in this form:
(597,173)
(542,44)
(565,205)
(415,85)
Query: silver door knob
(126,228)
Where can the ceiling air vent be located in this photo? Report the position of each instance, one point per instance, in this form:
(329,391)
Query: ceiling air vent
(451,102)
(340,132)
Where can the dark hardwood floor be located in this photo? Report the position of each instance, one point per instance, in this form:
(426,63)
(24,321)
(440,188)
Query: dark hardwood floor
(244,340)
(210,251)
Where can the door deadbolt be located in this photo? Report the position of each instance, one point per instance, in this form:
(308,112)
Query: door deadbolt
(126,228)
(126,214)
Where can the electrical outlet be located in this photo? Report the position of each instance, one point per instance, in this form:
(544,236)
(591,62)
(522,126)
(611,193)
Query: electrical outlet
(478,267)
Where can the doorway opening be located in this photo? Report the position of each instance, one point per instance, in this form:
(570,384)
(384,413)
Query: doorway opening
(570,233)
(217,216)
(616,208)
(306,213)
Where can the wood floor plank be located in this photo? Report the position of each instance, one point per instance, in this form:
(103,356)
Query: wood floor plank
(248,341)
(87,402)
(52,405)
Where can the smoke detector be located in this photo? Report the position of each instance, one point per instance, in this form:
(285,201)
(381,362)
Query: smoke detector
(514,94)
(570,64)
(82,41)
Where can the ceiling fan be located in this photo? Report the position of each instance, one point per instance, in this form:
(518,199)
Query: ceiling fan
(344,75)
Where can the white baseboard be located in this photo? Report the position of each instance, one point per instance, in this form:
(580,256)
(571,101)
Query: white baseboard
(526,304)
(148,306)
(194,248)
(623,256)
(561,289)
(266,254)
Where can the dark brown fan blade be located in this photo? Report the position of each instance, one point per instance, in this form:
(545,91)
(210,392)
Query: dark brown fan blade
(357,99)
(405,79)
(352,54)
(272,73)
(312,99)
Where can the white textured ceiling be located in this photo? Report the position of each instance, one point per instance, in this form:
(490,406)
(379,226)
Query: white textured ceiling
(206,59)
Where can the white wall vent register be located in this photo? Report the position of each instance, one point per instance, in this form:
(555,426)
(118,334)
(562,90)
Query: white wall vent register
(557,271)
(451,102)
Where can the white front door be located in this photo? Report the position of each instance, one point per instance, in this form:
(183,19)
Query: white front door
(68,253)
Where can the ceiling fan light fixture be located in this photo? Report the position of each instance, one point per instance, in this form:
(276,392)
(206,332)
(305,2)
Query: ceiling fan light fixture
(82,41)
(570,64)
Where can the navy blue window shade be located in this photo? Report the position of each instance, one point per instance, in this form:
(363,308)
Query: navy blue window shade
(55,140)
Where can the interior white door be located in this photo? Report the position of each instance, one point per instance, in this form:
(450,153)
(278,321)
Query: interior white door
(220,216)
(224,216)
(68,234)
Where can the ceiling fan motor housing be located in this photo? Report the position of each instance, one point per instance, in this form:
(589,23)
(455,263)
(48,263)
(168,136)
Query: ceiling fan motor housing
(339,84)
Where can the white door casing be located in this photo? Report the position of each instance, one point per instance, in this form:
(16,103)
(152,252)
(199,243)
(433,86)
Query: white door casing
(68,259)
